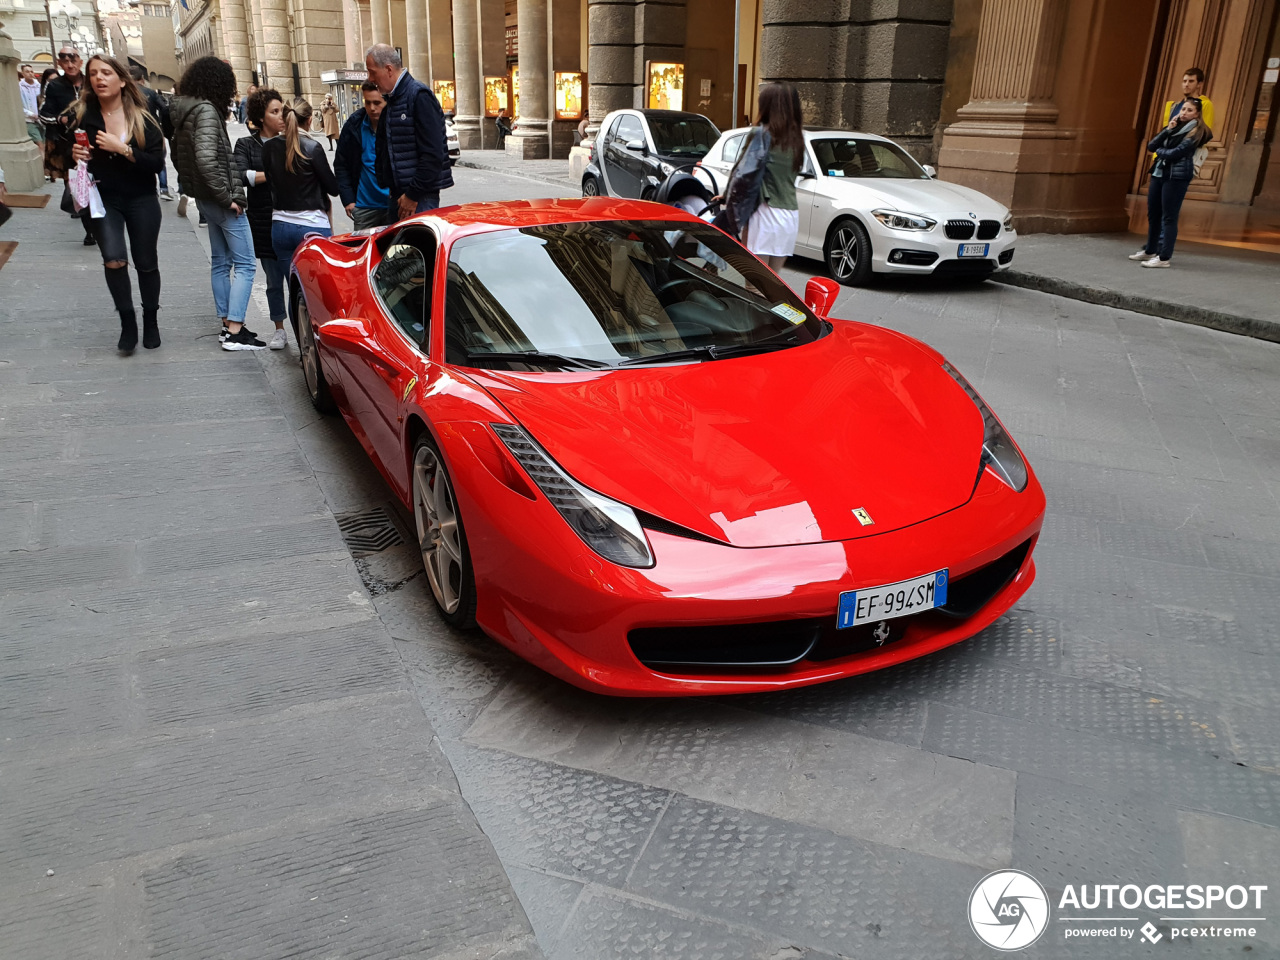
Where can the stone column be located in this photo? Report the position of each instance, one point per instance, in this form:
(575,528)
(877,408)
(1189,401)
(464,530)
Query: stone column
(440,38)
(467,79)
(277,50)
(236,33)
(532,140)
(418,54)
(19,156)
(259,49)
(320,44)
(622,36)
(380,16)
(1006,138)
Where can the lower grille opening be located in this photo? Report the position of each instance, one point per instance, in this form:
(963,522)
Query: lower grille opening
(782,643)
(1006,256)
(913,258)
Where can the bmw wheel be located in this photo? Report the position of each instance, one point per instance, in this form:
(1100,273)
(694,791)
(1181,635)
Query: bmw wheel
(848,253)
(441,538)
(590,186)
(317,386)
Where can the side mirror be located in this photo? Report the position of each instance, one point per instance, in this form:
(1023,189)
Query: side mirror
(820,295)
(807,174)
(933,174)
(637,146)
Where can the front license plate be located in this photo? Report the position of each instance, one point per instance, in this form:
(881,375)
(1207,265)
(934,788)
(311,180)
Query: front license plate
(899,599)
(974,249)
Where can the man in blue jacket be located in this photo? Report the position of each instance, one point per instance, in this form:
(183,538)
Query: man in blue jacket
(412,157)
(355,164)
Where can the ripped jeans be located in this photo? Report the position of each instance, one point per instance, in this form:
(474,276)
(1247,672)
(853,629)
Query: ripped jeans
(140,218)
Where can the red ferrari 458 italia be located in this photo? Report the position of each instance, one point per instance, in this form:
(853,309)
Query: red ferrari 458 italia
(637,459)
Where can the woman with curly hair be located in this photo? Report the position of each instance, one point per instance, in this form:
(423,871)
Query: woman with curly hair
(125,152)
(202,154)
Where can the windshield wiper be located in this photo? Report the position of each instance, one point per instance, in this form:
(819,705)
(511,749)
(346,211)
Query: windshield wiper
(715,351)
(538,357)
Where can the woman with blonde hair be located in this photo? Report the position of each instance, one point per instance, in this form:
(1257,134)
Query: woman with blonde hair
(301,181)
(124,151)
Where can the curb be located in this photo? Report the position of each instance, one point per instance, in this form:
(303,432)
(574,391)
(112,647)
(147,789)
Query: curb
(1150,306)
(493,168)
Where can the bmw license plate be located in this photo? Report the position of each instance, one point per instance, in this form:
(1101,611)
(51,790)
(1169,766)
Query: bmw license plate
(974,249)
(899,599)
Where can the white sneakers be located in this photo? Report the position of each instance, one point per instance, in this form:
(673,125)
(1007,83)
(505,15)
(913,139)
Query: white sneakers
(1156,262)
(1140,255)
(278,340)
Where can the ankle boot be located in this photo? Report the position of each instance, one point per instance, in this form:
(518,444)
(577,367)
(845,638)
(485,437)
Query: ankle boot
(128,331)
(150,332)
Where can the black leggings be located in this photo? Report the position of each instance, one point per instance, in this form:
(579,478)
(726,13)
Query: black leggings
(141,217)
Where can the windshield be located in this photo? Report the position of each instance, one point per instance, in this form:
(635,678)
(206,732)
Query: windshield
(852,157)
(687,136)
(613,292)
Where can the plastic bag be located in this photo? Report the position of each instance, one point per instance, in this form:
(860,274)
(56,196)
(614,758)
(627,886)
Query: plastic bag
(81,183)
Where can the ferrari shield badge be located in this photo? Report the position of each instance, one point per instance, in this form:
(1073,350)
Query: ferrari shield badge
(864,518)
(408,389)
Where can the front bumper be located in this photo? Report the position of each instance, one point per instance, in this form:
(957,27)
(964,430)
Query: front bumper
(931,251)
(554,602)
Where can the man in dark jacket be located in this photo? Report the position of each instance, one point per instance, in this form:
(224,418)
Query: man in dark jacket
(412,156)
(355,163)
(61,93)
(159,109)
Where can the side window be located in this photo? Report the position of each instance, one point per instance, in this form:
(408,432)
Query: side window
(403,281)
(732,147)
(629,128)
(613,130)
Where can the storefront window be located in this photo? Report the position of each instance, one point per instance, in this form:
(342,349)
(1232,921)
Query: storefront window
(515,90)
(666,86)
(569,100)
(446,93)
(495,95)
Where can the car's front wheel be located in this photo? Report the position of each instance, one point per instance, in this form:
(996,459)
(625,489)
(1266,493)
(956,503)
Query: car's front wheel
(312,372)
(590,186)
(848,253)
(441,537)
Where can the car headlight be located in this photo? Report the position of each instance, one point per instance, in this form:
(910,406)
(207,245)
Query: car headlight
(608,527)
(998,451)
(1008,223)
(896,220)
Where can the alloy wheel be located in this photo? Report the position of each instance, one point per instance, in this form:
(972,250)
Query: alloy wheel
(307,348)
(590,187)
(843,258)
(435,516)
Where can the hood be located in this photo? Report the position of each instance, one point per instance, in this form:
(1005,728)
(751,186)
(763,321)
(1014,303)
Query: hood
(182,107)
(765,450)
(933,198)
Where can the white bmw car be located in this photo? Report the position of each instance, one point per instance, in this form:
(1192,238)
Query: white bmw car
(866,206)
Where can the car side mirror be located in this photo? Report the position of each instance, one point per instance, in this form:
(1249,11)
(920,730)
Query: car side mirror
(820,295)
(807,174)
(933,174)
(637,146)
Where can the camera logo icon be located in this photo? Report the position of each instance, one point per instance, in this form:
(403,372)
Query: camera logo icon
(1009,910)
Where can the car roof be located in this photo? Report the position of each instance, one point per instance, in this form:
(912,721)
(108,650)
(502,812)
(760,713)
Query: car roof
(475,218)
(818,134)
(660,114)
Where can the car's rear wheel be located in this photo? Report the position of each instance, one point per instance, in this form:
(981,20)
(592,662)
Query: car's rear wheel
(590,186)
(848,253)
(441,537)
(312,373)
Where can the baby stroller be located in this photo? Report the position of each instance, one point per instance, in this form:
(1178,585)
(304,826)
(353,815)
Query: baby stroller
(684,190)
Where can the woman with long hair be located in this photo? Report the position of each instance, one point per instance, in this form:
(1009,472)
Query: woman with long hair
(1175,147)
(202,154)
(771,232)
(125,152)
(264,113)
(301,183)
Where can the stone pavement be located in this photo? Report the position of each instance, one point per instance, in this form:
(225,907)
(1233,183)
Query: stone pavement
(210,744)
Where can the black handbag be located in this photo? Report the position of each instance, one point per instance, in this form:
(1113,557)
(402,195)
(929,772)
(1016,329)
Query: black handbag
(68,203)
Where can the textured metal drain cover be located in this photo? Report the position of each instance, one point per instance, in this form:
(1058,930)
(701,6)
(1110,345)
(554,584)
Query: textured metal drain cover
(371,531)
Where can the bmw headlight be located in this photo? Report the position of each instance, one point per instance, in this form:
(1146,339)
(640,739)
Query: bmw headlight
(895,220)
(608,527)
(998,451)
(1008,223)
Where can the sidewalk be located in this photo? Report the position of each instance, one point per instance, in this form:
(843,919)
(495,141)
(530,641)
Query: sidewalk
(211,746)
(1225,288)
(546,171)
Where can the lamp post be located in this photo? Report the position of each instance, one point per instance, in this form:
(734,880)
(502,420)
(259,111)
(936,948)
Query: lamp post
(66,17)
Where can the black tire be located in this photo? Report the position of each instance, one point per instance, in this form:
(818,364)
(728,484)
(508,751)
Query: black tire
(648,193)
(442,540)
(312,372)
(590,186)
(848,253)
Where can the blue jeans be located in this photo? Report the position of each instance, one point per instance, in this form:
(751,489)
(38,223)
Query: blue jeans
(430,202)
(164,179)
(286,237)
(276,271)
(1164,203)
(231,245)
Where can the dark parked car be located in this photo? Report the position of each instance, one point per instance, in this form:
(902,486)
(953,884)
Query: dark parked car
(637,149)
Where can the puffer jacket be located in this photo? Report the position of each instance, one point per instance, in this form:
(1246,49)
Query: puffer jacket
(202,153)
(412,157)
(1175,152)
(248,156)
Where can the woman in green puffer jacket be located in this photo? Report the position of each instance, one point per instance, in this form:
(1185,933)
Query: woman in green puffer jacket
(202,154)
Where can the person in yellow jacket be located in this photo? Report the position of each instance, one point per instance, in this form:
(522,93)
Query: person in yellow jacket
(1192,85)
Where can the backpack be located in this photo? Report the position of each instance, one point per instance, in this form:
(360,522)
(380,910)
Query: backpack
(1198,158)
